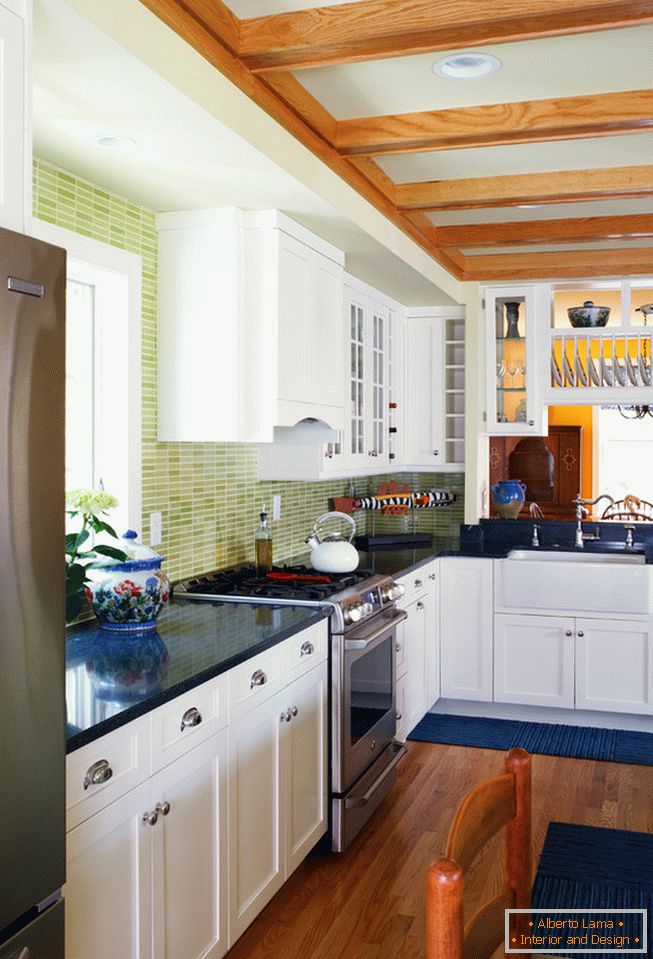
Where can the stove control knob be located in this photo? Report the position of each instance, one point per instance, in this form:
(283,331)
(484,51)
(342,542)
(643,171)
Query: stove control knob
(353,614)
(393,592)
(368,609)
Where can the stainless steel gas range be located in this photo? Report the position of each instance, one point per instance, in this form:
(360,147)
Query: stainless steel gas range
(363,625)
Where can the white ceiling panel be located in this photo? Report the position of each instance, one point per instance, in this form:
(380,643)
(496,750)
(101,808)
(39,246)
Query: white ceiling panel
(554,211)
(603,62)
(563,248)
(246,9)
(627,150)
(87,86)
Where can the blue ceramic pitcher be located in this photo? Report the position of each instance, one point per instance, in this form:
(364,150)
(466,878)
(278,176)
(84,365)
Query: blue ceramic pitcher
(508,497)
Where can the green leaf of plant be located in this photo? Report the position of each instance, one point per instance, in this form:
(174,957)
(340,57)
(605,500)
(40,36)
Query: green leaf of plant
(111,551)
(74,604)
(75,578)
(71,539)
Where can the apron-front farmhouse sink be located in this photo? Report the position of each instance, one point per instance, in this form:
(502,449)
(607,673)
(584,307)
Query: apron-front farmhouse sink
(575,581)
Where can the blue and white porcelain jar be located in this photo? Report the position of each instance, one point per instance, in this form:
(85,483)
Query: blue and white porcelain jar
(129,596)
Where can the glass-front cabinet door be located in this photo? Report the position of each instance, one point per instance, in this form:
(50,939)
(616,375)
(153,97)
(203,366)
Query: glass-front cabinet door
(368,338)
(514,404)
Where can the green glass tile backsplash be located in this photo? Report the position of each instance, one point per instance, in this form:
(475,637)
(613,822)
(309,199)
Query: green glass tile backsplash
(208,493)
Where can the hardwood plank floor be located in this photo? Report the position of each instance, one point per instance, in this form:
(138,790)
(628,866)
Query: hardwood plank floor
(369,902)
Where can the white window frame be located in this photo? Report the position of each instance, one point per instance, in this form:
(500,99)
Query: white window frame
(120,380)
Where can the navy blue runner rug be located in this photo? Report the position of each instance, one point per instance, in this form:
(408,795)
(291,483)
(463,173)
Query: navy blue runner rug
(549,739)
(584,867)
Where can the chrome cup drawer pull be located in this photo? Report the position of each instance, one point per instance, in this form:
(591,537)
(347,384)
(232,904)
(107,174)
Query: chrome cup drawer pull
(192,717)
(259,678)
(307,649)
(100,772)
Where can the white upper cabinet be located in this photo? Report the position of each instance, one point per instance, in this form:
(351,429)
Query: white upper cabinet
(250,335)
(513,317)
(435,389)
(15,114)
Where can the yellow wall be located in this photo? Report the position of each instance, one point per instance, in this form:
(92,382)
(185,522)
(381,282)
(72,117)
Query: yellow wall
(578,416)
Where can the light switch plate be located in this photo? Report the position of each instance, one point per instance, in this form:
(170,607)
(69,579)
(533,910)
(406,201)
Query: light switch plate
(156,529)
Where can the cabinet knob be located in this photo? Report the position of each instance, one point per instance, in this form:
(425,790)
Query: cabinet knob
(399,716)
(436,452)
(163,807)
(581,633)
(151,818)
(418,583)
(259,678)
(100,772)
(307,649)
(568,632)
(398,647)
(285,716)
(294,710)
(192,717)
(531,422)
(419,605)
(432,576)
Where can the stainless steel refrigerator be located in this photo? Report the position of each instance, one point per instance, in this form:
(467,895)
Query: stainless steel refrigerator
(32,609)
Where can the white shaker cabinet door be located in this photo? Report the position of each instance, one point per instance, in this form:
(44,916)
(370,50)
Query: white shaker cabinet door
(108,888)
(189,854)
(466,628)
(304,760)
(534,660)
(256,868)
(12,125)
(614,666)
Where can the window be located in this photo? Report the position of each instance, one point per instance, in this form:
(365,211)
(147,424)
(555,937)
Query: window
(625,450)
(103,407)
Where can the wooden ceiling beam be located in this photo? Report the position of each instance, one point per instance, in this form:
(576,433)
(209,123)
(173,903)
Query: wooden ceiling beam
(187,19)
(374,29)
(529,121)
(544,266)
(569,186)
(574,230)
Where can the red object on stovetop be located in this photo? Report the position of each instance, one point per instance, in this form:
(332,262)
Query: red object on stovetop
(298,578)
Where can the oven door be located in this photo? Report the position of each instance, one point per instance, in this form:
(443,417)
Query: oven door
(364,700)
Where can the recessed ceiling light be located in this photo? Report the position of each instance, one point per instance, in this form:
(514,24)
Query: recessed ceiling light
(115,143)
(467,66)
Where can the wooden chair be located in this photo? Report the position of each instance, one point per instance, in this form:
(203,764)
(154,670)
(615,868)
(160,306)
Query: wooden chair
(630,509)
(502,801)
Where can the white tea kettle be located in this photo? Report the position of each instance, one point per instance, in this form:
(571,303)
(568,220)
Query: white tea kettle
(334,553)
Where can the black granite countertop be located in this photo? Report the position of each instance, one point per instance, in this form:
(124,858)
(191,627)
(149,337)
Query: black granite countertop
(114,678)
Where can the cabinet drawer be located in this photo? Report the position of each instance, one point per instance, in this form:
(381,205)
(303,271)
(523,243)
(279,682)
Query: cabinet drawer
(306,649)
(106,769)
(188,720)
(257,679)
(416,583)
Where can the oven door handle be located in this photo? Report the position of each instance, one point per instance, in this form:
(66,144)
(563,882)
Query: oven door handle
(372,637)
(352,802)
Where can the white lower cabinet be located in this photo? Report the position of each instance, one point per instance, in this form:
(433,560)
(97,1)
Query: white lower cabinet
(466,628)
(573,662)
(534,660)
(417,654)
(614,665)
(146,875)
(277,793)
(176,864)
(108,888)
(189,854)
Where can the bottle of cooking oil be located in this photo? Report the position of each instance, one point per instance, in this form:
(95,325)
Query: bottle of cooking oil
(263,545)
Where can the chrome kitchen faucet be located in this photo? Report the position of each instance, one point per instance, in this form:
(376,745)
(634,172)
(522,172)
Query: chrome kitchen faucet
(581,513)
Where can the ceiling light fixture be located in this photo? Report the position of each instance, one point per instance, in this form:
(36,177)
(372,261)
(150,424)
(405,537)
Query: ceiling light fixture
(115,142)
(467,66)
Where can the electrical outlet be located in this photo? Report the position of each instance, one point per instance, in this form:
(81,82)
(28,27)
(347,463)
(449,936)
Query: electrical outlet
(156,529)
(276,508)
